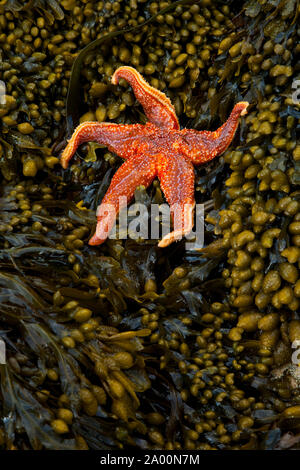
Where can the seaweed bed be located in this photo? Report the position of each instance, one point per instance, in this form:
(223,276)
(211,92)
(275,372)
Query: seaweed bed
(128,345)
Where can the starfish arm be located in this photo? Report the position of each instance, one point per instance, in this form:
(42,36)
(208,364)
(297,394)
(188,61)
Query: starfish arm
(158,108)
(202,146)
(177,178)
(117,137)
(137,170)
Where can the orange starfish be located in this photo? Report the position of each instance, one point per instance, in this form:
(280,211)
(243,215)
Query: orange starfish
(158,148)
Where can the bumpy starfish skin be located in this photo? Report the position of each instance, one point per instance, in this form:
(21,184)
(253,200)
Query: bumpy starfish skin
(158,148)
